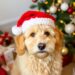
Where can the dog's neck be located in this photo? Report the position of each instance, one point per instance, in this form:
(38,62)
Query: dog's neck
(31,64)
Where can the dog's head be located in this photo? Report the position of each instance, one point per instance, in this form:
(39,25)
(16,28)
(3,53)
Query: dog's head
(40,41)
(37,35)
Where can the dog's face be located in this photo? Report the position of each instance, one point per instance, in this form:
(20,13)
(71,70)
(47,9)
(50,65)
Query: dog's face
(42,40)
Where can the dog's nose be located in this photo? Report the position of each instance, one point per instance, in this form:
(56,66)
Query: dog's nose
(41,46)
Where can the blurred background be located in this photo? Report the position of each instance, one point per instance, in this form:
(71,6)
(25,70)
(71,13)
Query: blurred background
(11,10)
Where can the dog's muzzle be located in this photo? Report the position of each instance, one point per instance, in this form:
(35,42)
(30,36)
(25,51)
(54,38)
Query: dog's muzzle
(41,53)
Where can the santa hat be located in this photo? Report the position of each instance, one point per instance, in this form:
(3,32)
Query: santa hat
(32,18)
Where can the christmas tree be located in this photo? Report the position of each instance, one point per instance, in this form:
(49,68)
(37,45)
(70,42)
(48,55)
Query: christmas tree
(64,12)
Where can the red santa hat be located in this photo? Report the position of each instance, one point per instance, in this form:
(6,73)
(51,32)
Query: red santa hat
(32,18)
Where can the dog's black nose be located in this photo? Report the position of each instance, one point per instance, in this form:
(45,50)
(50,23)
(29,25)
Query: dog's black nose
(41,46)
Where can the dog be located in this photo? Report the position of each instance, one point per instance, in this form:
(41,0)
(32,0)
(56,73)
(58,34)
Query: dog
(38,51)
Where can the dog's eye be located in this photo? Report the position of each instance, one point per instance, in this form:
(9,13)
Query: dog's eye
(46,33)
(32,34)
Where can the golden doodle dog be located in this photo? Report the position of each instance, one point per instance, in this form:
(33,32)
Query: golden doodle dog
(38,45)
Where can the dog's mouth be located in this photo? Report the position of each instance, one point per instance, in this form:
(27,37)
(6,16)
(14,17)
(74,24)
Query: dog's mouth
(41,54)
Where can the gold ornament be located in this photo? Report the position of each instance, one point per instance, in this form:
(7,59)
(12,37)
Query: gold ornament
(64,51)
(59,1)
(73,4)
(74,33)
(48,11)
(46,2)
(61,21)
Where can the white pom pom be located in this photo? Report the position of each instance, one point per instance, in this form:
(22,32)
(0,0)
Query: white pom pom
(16,30)
(64,6)
(70,28)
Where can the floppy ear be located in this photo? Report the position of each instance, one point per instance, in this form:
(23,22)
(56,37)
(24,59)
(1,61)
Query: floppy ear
(59,40)
(20,47)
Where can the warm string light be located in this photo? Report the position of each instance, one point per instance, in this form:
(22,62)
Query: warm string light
(61,21)
(48,11)
(46,2)
(59,1)
(74,33)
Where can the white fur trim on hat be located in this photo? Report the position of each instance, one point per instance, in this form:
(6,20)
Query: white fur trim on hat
(37,21)
(16,30)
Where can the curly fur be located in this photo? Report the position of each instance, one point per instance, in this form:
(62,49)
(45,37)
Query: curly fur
(29,64)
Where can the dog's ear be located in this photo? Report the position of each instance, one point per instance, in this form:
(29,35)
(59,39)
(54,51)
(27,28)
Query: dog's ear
(20,47)
(59,40)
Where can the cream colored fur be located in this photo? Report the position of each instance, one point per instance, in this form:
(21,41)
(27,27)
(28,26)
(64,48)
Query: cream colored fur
(30,65)
(27,63)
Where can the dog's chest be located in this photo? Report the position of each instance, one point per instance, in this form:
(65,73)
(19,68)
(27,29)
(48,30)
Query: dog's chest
(31,66)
